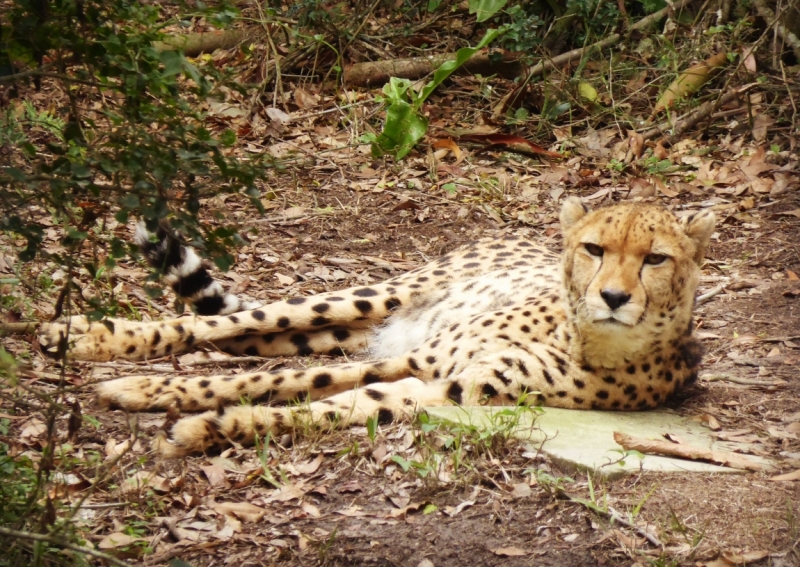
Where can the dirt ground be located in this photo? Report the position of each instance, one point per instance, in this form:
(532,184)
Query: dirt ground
(342,501)
(340,498)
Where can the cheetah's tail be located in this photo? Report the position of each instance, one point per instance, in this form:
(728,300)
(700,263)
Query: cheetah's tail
(184,272)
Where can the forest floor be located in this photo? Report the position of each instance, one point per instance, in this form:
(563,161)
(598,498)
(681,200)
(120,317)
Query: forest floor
(337,218)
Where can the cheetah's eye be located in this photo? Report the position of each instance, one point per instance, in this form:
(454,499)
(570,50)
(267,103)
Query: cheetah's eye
(654,259)
(594,249)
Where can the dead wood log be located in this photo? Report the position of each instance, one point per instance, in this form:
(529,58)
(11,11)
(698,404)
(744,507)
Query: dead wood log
(18,328)
(631,443)
(371,73)
(193,44)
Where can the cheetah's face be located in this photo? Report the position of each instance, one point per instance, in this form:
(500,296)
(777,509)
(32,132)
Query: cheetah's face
(631,272)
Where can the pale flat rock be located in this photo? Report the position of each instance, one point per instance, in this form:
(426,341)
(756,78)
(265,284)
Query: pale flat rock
(583,440)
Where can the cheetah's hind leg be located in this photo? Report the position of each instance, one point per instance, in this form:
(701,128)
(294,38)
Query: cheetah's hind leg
(242,424)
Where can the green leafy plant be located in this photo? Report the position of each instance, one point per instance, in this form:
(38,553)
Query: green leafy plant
(405,124)
(147,152)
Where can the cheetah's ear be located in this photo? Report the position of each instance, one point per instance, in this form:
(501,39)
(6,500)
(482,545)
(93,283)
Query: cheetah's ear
(572,210)
(699,227)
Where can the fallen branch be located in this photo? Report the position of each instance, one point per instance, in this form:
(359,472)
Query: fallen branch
(709,295)
(19,328)
(193,44)
(66,545)
(631,443)
(693,118)
(371,73)
(736,380)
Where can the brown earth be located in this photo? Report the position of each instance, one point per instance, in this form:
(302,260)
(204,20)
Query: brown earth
(338,498)
(343,512)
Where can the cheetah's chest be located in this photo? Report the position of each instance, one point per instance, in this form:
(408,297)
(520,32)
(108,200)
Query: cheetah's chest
(433,312)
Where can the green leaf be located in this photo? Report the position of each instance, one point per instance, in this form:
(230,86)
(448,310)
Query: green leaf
(396,89)
(228,138)
(224,262)
(80,171)
(403,129)
(485,9)
(173,63)
(129,200)
(404,464)
(446,69)
(429,509)
(15,174)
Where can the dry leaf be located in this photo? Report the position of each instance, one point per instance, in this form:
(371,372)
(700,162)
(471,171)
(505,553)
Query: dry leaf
(284,280)
(244,511)
(521,490)
(115,540)
(744,557)
(114,450)
(309,467)
(760,125)
(352,486)
(509,551)
(749,60)
(665,189)
(287,492)
(710,421)
(311,509)
(304,99)
(450,145)
(453,511)
(215,474)
(33,429)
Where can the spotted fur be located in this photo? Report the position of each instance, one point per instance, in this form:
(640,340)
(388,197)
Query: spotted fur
(607,326)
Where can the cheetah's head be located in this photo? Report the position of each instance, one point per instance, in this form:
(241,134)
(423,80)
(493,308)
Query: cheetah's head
(630,271)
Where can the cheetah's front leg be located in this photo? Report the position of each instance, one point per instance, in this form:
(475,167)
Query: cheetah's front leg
(109,339)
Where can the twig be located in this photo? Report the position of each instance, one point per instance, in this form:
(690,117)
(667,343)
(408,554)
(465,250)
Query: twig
(66,545)
(779,339)
(736,380)
(617,517)
(614,516)
(707,296)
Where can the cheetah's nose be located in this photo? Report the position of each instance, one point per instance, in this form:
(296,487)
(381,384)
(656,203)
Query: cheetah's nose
(615,298)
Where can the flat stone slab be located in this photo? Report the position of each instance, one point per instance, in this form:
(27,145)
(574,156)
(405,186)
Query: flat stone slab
(583,440)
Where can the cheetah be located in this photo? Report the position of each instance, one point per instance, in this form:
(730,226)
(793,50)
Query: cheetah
(608,326)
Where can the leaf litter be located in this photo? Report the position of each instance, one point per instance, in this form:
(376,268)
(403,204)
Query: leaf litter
(343,219)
